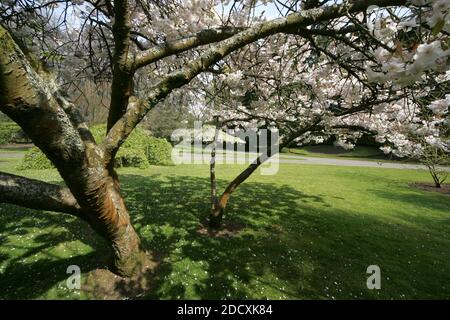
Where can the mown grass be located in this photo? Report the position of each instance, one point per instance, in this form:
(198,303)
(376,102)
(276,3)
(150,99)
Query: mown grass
(329,151)
(311,232)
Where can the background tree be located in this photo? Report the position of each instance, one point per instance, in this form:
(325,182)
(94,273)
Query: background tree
(322,84)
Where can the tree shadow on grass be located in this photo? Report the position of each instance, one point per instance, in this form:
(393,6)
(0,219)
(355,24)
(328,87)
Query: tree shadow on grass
(36,247)
(426,200)
(294,245)
(170,211)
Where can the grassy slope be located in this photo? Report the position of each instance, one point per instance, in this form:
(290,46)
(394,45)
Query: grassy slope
(327,151)
(332,151)
(311,233)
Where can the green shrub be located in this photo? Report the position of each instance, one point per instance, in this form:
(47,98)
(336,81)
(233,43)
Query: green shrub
(8,132)
(35,159)
(139,151)
(158,151)
(98,131)
(128,157)
(132,152)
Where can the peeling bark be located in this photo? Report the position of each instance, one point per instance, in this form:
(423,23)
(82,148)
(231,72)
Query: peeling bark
(109,216)
(107,213)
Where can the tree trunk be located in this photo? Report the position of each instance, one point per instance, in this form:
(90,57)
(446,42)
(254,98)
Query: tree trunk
(100,198)
(434,174)
(114,223)
(216,214)
(437,182)
(215,218)
(218,207)
(30,97)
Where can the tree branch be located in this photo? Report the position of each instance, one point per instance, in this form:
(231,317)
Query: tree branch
(122,82)
(30,100)
(35,194)
(173,47)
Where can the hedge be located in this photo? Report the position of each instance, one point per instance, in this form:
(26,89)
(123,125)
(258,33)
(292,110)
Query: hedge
(140,150)
(35,159)
(8,132)
(158,151)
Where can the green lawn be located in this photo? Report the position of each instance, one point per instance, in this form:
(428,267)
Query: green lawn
(327,151)
(311,232)
(16,148)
